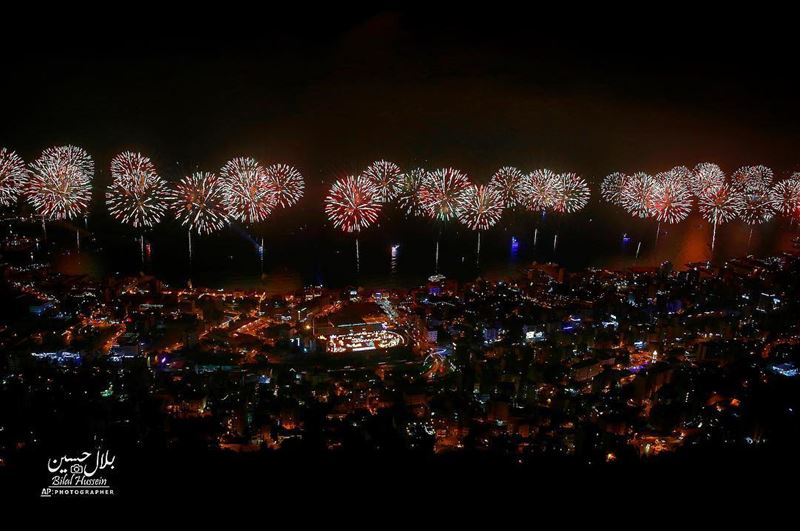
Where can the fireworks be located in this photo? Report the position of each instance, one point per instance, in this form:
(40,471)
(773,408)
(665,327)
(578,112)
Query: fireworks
(198,202)
(752,177)
(481,207)
(786,197)
(682,174)
(720,204)
(286,182)
(13,176)
(760,205)
(137,195)
(351,203)
(611,187)
(706,176)
(408,192)
(60,183)
(636,194)
(384,178)
(442,192)
(510,184)
(249,195)
(671,201)
(572,193)
(542,187)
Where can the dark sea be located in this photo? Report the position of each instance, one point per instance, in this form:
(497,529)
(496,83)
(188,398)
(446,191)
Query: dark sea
(301,248)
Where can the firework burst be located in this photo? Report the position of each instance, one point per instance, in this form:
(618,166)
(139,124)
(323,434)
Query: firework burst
(719,204)
(351,203)
(442,192)
(786,197)
(408,192)
(705,177)
(136,196)
(752,177)
(671,200)
(510,184)
(760,204)
(572,193)
(60,183)
(384,176)
(481,207)
(287,183)
(542,189)
(13,176)
(198,202)
(682,174)
(636,194)
(249,195)
(611,187)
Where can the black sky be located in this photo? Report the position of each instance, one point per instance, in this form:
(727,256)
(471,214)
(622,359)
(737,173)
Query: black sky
(332,91)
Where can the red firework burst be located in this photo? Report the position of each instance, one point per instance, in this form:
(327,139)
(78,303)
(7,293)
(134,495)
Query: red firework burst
(442,192)
(671,200)
(351,203)
(287,182)
(250,195)
(384,177)
(481,207)
(199,204)
(786,196)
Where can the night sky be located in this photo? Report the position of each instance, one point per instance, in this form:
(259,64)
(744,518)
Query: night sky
(333,92)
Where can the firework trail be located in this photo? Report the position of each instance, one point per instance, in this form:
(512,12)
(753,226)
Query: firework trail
(59,185)
(249,194)
(511,184)
(441,195)
(287,183)
(137,196)
(384,176)
(408,192)
(719,204)
(481,208)
(352,205)
(13,176)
